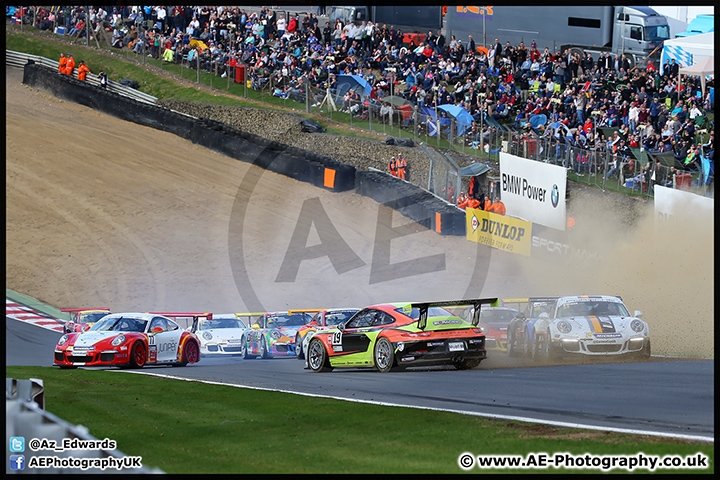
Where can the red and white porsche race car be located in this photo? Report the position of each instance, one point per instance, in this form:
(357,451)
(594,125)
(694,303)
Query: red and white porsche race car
(132,340)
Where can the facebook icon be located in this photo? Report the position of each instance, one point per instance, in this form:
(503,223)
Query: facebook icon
(17,462)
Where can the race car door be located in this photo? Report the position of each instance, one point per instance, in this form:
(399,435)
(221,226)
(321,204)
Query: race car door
(163,340)
(361,330)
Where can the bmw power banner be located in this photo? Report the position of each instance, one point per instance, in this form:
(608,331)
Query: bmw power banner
(498,231)
(533,190)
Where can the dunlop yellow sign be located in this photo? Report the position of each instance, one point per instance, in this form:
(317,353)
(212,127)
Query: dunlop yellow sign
(498,231)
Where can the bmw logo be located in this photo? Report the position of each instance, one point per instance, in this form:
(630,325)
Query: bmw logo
(555,196)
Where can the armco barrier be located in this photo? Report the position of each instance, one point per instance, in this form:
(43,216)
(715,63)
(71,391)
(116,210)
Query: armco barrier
(412,201)
(26,418)
(304,166)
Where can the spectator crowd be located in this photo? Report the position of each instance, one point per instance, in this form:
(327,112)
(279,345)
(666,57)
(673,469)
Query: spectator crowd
(581,95)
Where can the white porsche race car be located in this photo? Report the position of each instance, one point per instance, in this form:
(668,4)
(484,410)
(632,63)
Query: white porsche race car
(595,325)
(220,334)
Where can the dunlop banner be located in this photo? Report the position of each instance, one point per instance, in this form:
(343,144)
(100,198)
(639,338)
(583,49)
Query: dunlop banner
(498,231)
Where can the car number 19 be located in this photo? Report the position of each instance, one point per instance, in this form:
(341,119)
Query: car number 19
(336,338)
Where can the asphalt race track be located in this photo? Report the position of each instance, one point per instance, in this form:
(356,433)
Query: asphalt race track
(664,397)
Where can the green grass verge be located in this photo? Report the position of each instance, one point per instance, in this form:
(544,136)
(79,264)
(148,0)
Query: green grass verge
(191,427)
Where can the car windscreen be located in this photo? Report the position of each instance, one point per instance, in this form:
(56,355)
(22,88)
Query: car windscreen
(286,320)
(119,324)
(338,317)
(221,323)
(596,308)
(497,317)
(91,317)
(414,313)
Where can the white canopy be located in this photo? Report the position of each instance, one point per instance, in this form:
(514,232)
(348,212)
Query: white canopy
(688,51)
(704,68)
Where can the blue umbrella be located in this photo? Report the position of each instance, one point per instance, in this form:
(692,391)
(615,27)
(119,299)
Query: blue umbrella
(537,120)
(462,116)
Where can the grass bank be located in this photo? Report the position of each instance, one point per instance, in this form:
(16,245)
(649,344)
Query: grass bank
(191,427)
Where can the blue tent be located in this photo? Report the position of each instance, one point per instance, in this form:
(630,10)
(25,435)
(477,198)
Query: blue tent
(462,117)
(352,82)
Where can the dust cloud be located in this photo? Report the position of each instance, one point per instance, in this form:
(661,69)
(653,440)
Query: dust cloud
(665,270)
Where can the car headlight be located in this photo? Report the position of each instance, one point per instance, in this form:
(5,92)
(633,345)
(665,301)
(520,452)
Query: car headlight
(63,339)
(637,325)
(275,334)
(207,336)
(564,327)
(119,340)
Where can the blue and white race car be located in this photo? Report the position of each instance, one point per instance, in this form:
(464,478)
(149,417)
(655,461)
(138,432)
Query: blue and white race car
(595,325)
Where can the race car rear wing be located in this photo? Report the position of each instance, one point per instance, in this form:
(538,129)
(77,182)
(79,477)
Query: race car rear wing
(195,317)
(305,310)
(476,302)
(249,315)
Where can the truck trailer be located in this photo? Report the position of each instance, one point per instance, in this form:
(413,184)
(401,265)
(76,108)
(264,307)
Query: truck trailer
(634,31)
(409,19)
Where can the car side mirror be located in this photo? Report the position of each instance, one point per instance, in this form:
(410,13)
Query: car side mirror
(157,330)
(314,323)
(341,327)
(638,313)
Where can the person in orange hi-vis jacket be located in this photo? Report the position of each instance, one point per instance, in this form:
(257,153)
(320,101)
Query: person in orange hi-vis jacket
(401,166)
(393,167)
(70,66)
(62,63)
(462,201)
(473,202)
(487,204)
(83,70)
(497,207)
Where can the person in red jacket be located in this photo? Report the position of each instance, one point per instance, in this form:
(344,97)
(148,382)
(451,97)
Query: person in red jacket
(83,70)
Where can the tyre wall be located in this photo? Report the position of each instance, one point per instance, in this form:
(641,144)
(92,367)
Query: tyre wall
(412,201)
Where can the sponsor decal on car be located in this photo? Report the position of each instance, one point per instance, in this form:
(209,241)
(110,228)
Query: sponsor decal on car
(447,322)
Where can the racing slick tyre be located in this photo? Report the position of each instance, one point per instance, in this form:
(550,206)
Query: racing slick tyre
(513,349)
(246,355)
(467,364)
(384,356)
(190,355)
(138,355)
(526,344)
(538,349)
(318,360)
(263,350)
(298,347)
